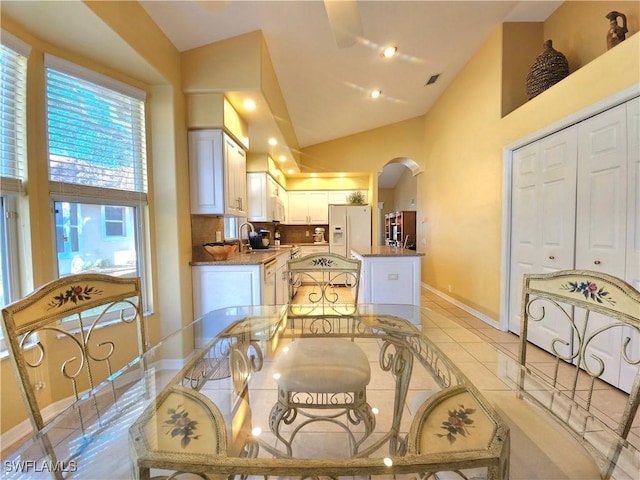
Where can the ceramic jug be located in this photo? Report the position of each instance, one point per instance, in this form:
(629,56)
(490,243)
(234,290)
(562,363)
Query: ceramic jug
(616,33)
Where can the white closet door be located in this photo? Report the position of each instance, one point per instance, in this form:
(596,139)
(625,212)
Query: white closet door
(543,220)
(602,219)
(632,272)
(602,193)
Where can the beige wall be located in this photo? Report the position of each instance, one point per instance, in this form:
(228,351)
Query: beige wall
(406,191)
(169,234)
(368,151)
(462,205)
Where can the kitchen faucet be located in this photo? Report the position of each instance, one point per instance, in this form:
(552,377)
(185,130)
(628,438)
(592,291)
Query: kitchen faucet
(249,225)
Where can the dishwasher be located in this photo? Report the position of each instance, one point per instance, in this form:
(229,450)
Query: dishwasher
(269,283)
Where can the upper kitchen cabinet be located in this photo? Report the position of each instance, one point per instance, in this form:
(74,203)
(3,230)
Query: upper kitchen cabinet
(217,170)
(308,208)
(266,198)
(345,197)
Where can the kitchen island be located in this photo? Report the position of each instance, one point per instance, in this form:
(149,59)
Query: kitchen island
(389,275)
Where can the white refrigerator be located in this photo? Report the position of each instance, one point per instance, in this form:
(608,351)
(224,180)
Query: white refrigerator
(349,225)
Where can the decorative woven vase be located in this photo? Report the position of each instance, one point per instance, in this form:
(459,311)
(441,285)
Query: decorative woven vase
(549,68)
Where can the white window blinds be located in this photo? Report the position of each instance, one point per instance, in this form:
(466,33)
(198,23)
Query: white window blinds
(96,134)
(13,81)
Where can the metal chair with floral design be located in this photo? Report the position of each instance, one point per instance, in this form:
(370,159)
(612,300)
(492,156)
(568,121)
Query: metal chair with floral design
(323,378)
(589,323)
(323,283)
(68,336)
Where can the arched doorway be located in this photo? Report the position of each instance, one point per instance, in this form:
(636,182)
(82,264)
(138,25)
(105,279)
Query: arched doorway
(397,190)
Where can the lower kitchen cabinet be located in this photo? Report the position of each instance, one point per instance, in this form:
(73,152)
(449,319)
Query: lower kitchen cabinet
(221,286)
(389,279)
(282,284)
(318,248)
(308,250)
(231,285)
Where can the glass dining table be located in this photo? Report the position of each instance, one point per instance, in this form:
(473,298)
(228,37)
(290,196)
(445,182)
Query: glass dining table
(258,392)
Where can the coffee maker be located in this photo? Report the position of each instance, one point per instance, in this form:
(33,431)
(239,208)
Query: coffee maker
(260,238)
(318,236)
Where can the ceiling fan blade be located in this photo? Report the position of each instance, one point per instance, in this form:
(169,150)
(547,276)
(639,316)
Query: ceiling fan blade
(344,19)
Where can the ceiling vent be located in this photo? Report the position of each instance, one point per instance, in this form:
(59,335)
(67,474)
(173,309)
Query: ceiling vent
(433,79)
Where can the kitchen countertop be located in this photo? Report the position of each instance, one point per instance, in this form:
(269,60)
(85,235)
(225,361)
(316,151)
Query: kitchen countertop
(254,257)
(384,251)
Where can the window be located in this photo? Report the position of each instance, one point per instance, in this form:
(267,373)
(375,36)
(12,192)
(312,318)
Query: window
(97,170)
(114,221)
(13,82)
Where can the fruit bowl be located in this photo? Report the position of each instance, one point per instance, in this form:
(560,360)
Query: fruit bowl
(220,251)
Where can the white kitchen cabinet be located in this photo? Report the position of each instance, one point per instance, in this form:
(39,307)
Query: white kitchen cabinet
(217,173)
(309,249)
(282,283)
(221,286)
(308,207)
(341,197)
(266,200)
(229,285)
(284,198)
(393,280)
(574,205)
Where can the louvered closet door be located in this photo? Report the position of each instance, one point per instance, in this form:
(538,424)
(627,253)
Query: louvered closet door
(543,221)
(601,225)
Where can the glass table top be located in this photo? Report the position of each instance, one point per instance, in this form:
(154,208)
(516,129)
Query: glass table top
(266,390)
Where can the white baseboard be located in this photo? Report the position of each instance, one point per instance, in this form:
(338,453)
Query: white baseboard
(24,428)
(480,316)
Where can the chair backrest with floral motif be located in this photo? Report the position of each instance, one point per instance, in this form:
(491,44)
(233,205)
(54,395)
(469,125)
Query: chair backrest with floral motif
(589,323)
(72,333)
(323,283)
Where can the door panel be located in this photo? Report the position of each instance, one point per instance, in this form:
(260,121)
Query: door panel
(602,193)
(543,220)
(632,270)
(601,227)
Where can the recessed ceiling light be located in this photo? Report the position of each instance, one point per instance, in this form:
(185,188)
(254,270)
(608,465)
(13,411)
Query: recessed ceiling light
(282,158)
(249,104)
(389,52)
(273,141)
(291,171)
(375,93)
(314,174)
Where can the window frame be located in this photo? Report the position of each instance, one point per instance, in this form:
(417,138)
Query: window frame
(101,196)
(122,222)
(12,187)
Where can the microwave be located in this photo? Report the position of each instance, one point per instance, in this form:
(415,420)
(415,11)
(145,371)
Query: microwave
(276,209)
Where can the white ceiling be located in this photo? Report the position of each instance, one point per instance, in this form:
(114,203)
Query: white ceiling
(326,87)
